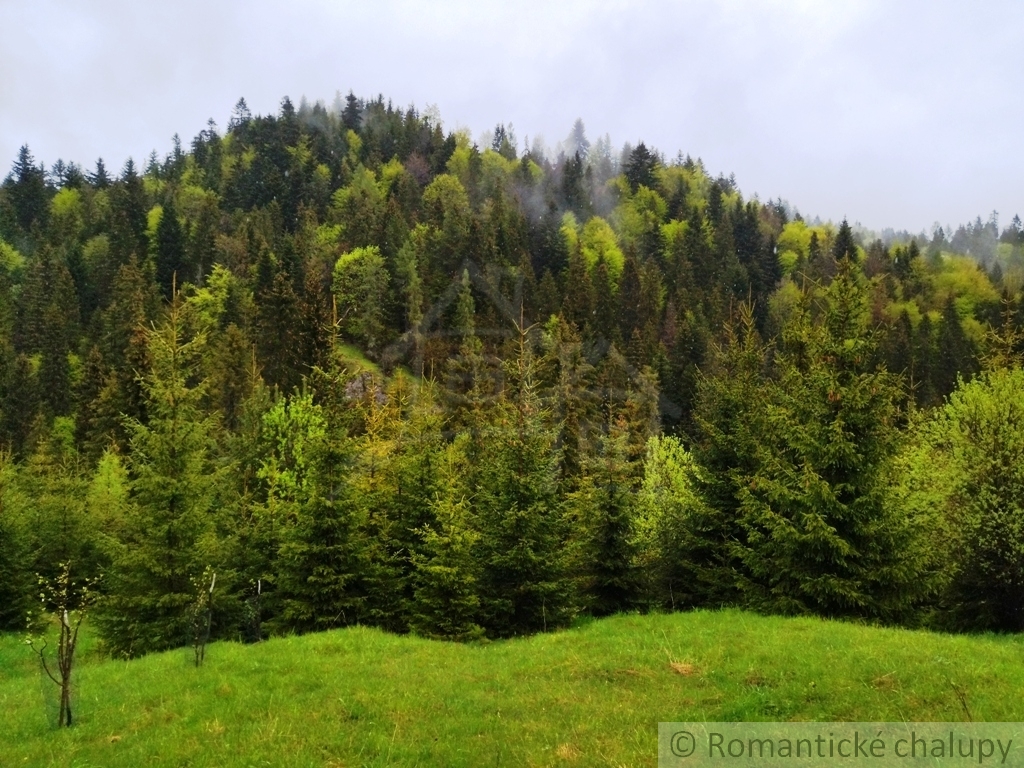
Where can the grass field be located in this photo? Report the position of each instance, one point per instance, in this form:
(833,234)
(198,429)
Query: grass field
(590,696)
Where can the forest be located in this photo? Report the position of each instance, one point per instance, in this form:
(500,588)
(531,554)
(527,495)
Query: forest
(354,369)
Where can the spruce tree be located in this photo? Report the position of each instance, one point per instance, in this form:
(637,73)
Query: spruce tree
(446,603)
(956,356)
(322,560)
(170,250)
(16,579)
(171,534)
(524,583)
(819,536)
(609,494)
(707,566)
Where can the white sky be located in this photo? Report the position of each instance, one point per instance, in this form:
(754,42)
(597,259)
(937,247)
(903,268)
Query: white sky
(891,113)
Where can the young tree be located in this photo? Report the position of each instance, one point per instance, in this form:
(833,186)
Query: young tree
(446,603)
(609,495)
(70,603)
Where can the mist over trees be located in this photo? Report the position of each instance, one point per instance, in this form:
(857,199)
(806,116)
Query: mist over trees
(368,371)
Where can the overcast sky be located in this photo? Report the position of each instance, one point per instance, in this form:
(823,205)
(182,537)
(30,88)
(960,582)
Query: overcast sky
(893,114)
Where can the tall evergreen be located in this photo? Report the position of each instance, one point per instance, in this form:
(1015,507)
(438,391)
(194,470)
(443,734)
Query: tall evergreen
(955,353)
(819,535)
(170,250)
(524,584)
(171,534)
(322,557)
(609,495)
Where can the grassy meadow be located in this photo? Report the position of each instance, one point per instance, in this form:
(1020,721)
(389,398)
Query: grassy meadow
(589,696)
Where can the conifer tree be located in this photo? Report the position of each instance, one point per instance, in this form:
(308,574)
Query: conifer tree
(708,566)
(524,584)
(170,250)
(323,555)
(819,536)
(446,604)
(19,407)
(15,569)
(171,534)
(955,353)
(578,300)
(610,495)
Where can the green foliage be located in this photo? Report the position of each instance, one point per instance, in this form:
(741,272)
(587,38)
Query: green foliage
(608,497)
(15,555)
(361,287)
(525,585)
(296,440)
(170,533)
(819,536)
(446,600)
(322,554)
(972,470)
(664,530)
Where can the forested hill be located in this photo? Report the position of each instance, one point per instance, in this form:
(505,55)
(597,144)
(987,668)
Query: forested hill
(382,374)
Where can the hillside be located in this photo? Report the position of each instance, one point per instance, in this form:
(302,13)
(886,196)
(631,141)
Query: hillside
(591,695)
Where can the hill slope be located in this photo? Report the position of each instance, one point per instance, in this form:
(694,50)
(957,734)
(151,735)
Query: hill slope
(591,696)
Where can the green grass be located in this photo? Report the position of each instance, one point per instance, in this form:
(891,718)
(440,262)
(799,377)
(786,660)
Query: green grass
(590,696)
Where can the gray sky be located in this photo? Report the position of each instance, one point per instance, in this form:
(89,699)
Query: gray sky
(893,114)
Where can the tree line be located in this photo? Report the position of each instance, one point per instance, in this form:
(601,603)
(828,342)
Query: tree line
(368,372)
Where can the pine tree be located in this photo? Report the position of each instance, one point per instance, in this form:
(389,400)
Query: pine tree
(27,190)
(524,584)
(322,559)
(819,536)
(20,406)
(578,300)
(572,394)
(170,250)
(351,117)
(277,319)
(610,495)
(446,604)
(844,246)
(16,584)
(171,535)
(955,354)
(640,168)
(708,568)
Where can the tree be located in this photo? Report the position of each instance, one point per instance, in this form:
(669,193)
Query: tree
(707,560)
(322,557)
(524,584)
(171,534)
(361,286)
(15,564)
(955,354)
(170,250)
(844,245)
(70,604)
(819,536)
(973,472)
(641,167)
(609,493)
(351,117)
(446,602)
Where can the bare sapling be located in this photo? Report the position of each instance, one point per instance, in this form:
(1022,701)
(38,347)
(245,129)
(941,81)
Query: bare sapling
(62,596)
(202,614)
